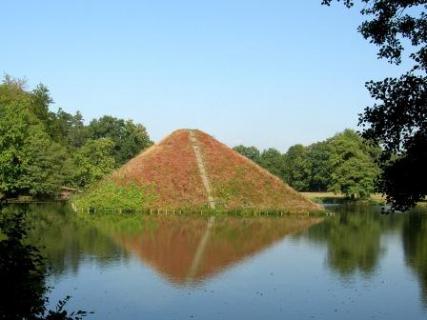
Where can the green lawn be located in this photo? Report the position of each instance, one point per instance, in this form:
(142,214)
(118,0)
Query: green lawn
(330,196)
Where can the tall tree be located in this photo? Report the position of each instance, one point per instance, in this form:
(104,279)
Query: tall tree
(272,160)
(68,129)
(398,118)
(30,162)
(297,168)
(353,170)
(345,163)
(319,158)
(41,150)
(129,138)
(92,162)
(251,153)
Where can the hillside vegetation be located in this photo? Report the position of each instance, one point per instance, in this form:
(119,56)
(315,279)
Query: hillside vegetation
(168,177)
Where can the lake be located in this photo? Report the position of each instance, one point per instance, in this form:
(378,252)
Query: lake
(356,264)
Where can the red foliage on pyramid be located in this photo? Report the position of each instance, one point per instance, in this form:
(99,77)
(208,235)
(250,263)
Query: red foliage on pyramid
(190,169)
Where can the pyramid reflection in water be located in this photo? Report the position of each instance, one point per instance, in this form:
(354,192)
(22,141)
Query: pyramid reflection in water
(188,250)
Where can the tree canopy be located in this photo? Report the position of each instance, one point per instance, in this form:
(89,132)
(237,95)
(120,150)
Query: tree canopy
(251,153)
(42,151)
(344,163)
(92,161)
(128,138)
(397,120)
(352,162)
(297,168)
(30,162)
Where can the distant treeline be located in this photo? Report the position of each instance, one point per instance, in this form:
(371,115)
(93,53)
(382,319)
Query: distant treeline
(42,151)
(345,163)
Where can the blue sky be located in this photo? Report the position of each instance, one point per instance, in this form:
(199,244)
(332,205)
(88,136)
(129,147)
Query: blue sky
(268,73)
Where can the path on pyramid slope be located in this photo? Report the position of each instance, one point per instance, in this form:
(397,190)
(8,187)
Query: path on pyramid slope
(170,168)
(202,169)
(238,182)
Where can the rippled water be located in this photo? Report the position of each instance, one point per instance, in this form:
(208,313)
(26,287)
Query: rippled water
(358,264)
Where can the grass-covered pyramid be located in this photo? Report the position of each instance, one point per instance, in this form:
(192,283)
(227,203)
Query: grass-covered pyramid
(191,171)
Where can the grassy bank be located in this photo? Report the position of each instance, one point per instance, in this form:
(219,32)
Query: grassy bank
(203,212)
(330,197)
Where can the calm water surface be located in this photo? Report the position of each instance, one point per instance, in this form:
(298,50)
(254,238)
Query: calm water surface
(358,264)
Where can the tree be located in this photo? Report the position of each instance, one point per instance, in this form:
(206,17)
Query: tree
(92,162)
(64,128)
(353,170)
(319,158)
(41,150)
(30,163)
(42,164)
(129,138)
(251,153)
(40,105)
(355,178)
(344,164)
(297,168)
(68,129)
(398,118)
(272,160)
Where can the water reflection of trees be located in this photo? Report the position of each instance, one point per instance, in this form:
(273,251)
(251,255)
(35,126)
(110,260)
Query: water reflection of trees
(414,235)
(23,274)
(353,238)
(65,239)
(173,245)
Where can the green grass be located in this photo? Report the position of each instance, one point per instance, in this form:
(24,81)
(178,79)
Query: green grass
(330,197)
(109,196)
(204,212)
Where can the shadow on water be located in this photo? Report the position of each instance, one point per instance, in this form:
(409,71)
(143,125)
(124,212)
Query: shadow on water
(23,273)
(414,236)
